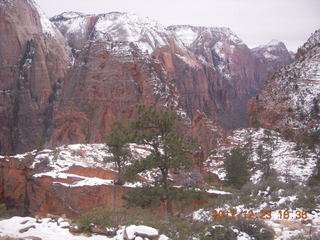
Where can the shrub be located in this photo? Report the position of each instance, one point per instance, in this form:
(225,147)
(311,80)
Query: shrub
(306,200)
(173,227)
(288,134)
(221,233)
(255,229)
(144,197)
(3,209)
(210,179)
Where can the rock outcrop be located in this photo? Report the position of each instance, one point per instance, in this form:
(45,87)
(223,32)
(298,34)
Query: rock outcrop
(69,181)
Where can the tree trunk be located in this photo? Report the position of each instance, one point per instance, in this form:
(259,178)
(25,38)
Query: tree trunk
(168,201)
(119,180)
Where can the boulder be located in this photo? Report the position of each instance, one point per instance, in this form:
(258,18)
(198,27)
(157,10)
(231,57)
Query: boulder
(75,229)
(133,231)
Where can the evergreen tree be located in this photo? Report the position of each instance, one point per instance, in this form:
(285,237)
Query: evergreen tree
(118,145)
(236,166)
(265,157)
(157,129)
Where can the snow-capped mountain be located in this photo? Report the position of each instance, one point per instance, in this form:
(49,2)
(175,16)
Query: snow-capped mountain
(274,55)
(290,99)
(213,46)
(147,34)
(194,35)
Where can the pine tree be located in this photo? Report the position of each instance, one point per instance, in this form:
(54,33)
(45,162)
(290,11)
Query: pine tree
(236,166)
(118,145)
(265,157)
(157,129)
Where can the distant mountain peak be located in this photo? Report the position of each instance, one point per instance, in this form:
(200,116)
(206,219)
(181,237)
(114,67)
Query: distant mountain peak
(188,34)
(272,45)
(66,16)
(274,42)
(122,27)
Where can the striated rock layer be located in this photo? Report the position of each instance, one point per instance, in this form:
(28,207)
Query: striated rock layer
(68,180)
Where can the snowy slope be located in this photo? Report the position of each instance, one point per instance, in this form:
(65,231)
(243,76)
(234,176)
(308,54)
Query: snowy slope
(124,27)
(286,160)
(193,35)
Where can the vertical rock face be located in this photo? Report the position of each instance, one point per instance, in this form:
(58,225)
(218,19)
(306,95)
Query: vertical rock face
(290,99)
(115,67)
(273,55)
(231,70)
(22,191)
(33,58)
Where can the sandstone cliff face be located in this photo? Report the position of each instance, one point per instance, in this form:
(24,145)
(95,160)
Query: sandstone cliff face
(290,99)
(69,181)
(124,60)
(33,58)
(232,72)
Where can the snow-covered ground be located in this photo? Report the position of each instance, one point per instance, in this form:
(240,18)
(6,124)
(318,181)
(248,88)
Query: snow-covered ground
(68,166)
(49,229)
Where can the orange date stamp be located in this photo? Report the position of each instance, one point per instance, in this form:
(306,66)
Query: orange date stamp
(260,214)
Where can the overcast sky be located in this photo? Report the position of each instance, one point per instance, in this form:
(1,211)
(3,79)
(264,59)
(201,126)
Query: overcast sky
(256,22)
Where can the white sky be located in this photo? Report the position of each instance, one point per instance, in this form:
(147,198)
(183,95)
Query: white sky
(256,22)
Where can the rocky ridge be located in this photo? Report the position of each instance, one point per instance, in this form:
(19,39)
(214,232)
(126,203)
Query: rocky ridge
(290,99)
